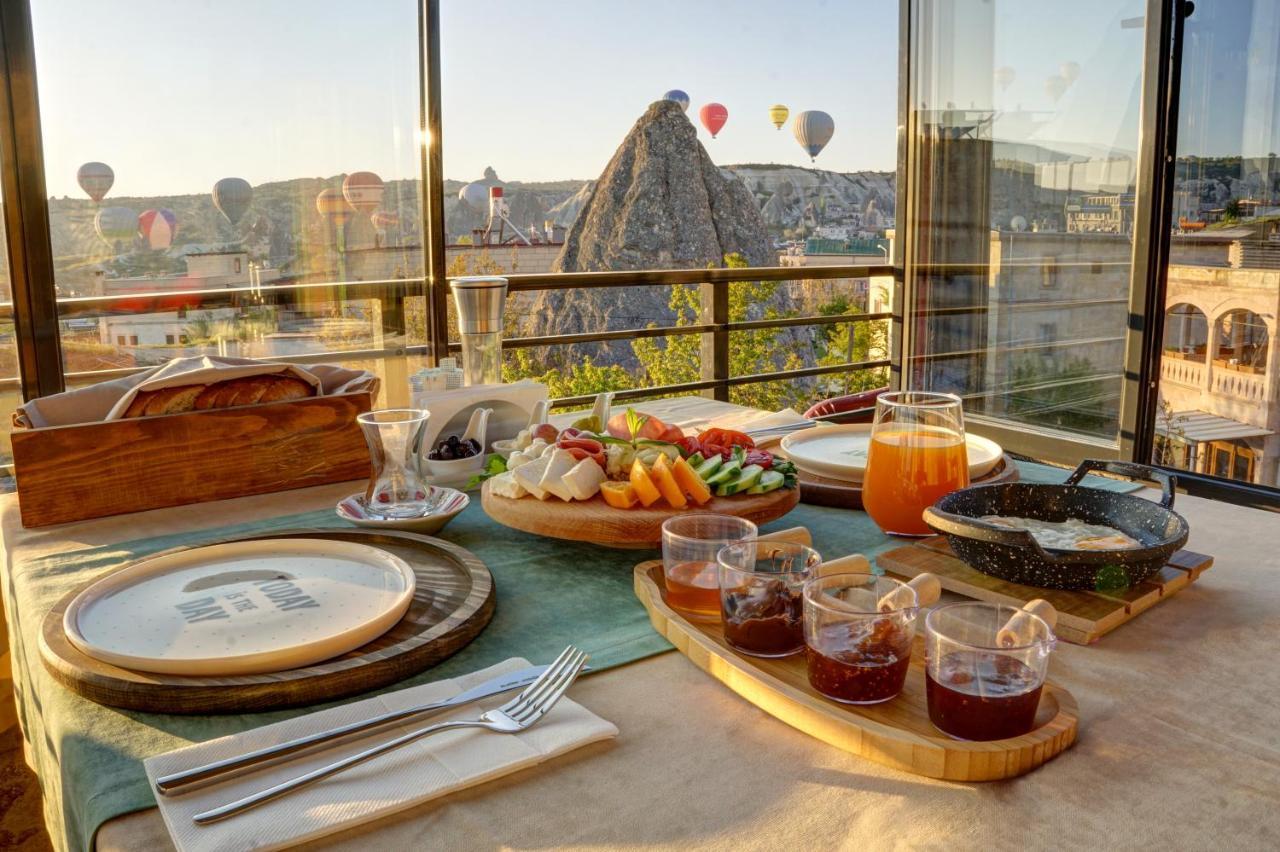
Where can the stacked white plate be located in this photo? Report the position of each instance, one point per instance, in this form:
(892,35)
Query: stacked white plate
(840,452)
(241,608)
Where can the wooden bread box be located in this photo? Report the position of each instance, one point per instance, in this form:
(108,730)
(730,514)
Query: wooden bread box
(92,470)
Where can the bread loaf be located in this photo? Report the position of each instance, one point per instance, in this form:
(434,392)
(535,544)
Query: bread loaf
(248,390)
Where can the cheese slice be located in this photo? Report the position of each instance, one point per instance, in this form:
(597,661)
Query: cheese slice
(530,473)
(559,463)
(506,485)
(584,480)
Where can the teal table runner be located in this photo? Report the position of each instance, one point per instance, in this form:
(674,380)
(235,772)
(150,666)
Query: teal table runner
(549,594)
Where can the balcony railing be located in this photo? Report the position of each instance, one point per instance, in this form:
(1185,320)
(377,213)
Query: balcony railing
(1182,372)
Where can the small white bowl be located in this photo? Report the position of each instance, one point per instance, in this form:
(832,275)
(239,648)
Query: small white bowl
(445,504)
(504,448)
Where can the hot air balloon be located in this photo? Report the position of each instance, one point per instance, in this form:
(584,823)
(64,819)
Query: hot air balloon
(1055,87)
(115,224)
(679,97)
(157,227)
(778,115)
(813,129)
(1005,77)
(232,196)
(333,206)
(713,117)
(1069,71)
(385,219)
(363,191)
(95,179)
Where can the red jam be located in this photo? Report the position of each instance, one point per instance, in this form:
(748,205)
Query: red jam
(857,665)
(763,619)
(982,696)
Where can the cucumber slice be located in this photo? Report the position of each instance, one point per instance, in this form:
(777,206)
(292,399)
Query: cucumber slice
(770,480)
(746,478)
(727,473)
(695,460)
(708,467)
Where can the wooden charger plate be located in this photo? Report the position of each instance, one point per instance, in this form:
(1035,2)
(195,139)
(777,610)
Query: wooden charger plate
(596,521)
(897,733)
(452,602)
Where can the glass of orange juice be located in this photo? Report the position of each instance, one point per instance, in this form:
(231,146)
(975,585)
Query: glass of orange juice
(917,454)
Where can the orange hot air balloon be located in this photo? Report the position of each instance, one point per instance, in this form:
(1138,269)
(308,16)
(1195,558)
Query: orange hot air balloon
(363,191)
(331,205)
(713,117)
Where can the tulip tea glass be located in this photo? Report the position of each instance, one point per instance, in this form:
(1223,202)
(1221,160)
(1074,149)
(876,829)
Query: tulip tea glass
(396,490)
(761,595)
(858,630)
(917,455)
(689,547)
(977,687)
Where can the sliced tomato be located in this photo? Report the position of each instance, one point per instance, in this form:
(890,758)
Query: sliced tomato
(760,457)
(689,445)
(727,438)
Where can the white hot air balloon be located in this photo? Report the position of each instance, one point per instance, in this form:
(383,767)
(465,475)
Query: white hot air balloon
(1055,87)
(813,129)
(1004,77)
(1070,71)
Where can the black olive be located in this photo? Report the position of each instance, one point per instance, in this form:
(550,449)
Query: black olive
(474,445)
(453,440)
(446,453)
(433,455)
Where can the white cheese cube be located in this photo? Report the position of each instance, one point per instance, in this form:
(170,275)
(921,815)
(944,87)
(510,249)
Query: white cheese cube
(529,474)
(584,480)
(559,463)
(506,485)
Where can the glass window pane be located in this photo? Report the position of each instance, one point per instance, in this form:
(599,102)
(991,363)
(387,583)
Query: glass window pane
(1218,371)
(1023,139)
(10,385)
(592,161)
(226,190)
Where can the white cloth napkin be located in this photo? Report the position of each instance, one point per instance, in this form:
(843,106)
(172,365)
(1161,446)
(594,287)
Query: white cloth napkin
(415,773)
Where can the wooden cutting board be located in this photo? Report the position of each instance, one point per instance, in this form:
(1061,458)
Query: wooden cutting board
(1083,617)
(596,521)
(897,733)
(453,601)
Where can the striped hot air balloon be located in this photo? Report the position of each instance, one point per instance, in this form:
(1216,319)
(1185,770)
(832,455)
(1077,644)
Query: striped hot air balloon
(813,129)
(115,224)
(363,191)
(713,117)
(95,179)
(385,219)
(679,97)
(157,228)
(331,205)
(232,197)
(778,115)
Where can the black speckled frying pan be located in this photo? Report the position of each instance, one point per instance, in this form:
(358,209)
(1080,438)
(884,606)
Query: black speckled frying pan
(1015,556)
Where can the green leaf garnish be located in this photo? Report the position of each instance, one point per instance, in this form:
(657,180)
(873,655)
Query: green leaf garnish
(495,465)
(635,422)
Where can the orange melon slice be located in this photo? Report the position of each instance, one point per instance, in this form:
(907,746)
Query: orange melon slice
(689,481)
(646,492)
(619,495)
(666,482)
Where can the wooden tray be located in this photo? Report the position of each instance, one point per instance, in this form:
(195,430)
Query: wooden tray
(453,602)
(841,494)
(596,521)
(897,733)
(1083,617)
(120,466)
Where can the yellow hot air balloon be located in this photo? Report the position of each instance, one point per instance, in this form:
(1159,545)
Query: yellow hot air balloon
(778,115)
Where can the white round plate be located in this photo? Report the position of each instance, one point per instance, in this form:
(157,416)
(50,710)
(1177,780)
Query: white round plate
(244,607)
(840,452)
(445,505)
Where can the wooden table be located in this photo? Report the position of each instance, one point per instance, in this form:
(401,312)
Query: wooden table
(1179,744)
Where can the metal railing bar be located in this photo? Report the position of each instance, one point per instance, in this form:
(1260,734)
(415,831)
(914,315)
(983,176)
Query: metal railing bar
(788,322)
(782,375)
(637,393)
(524,282)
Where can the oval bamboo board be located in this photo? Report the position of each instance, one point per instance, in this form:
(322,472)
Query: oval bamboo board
(452,602)
(596,521)
(897,733)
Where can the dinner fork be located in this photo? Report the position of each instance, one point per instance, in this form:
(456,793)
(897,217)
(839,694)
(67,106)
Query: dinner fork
(516,715)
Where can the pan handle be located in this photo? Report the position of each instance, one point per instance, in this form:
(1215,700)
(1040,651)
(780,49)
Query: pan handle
(1168,482)
(961,525)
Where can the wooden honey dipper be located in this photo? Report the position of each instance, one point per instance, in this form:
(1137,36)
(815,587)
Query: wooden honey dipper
(928,588)
(1021,630)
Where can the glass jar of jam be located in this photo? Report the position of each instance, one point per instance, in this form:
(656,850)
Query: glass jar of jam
(858,630)
(978,687)
(761,591)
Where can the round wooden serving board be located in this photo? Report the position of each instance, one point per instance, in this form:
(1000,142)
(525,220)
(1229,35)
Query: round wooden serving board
(452,602)
(596,521)
(842,494)
(897,733)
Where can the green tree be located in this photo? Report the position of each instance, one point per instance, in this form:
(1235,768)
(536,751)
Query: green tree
(577,380)
(853,342)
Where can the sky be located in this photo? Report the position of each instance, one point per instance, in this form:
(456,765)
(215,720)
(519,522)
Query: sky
(175,96)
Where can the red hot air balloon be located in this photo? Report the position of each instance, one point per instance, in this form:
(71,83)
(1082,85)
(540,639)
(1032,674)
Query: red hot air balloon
(713,117)
(157,228)
(95,179)
(363,191)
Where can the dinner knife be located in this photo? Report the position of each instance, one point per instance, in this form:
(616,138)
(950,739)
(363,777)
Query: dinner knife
(187,780)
